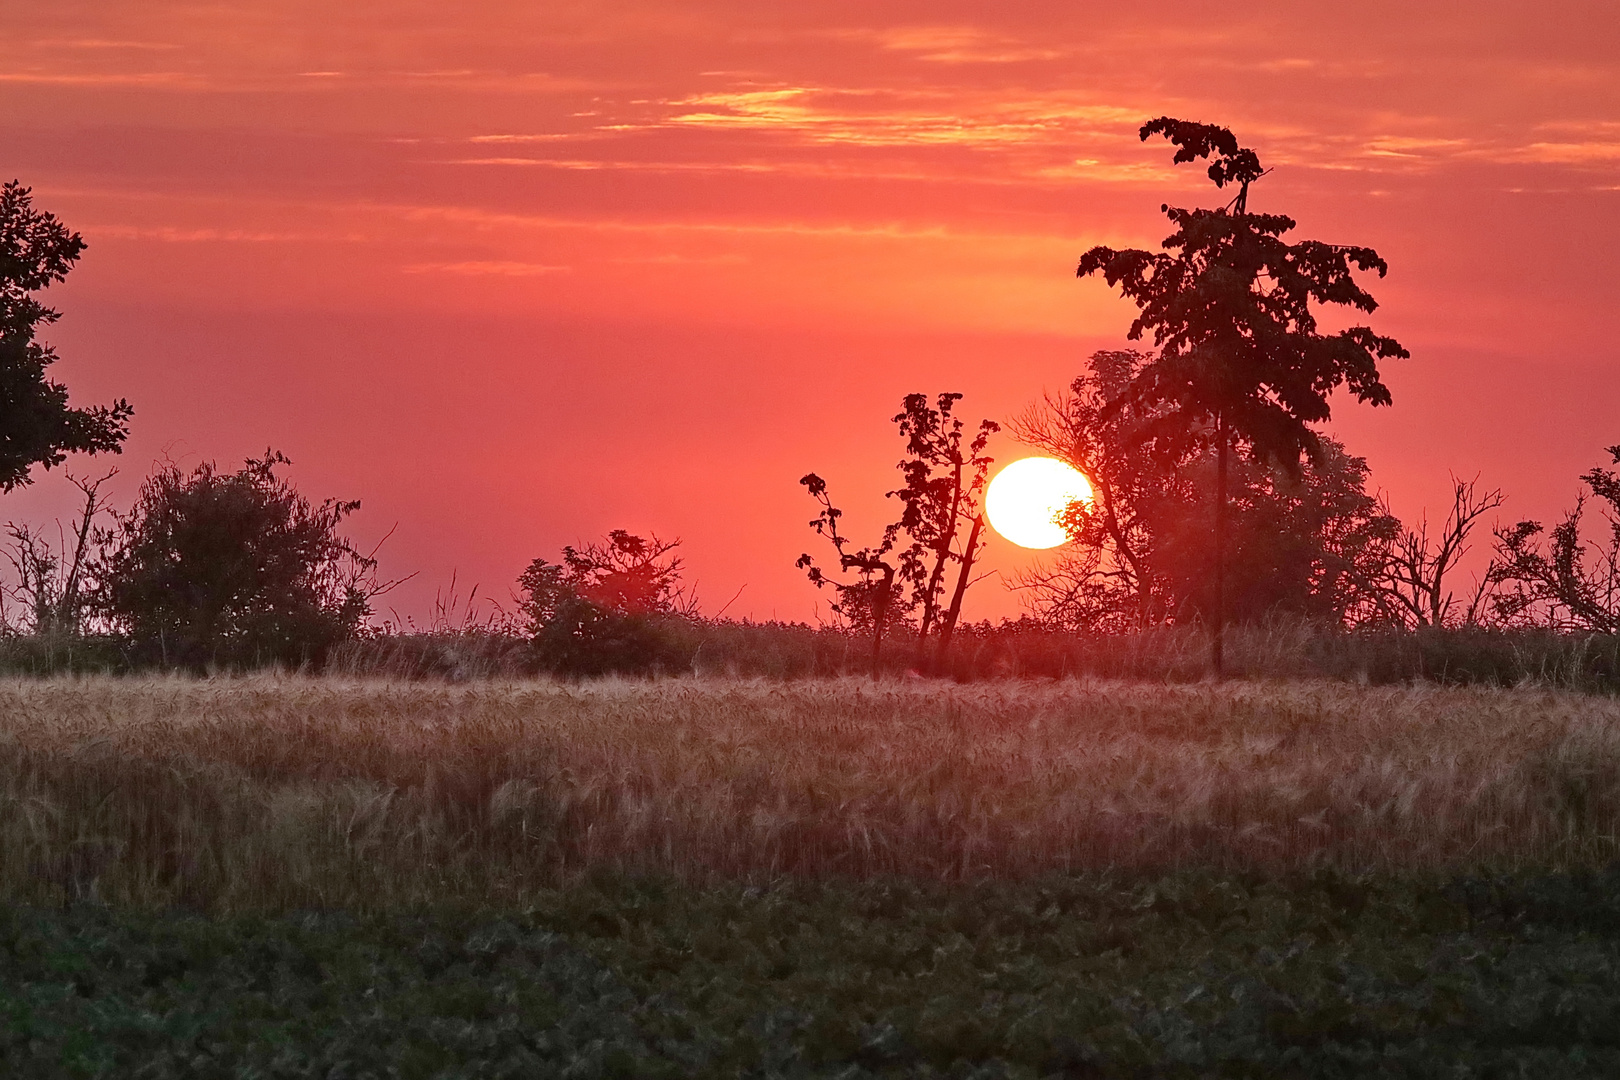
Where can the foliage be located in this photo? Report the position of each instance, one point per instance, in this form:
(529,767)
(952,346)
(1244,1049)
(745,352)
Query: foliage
(1560,582)
(868,602)
(1310,545)
(41,655)
(234,569)
(943,483)
(1306,548)
(1189,974)
(1239,356)
(1229,306)
(980,653)
(609,606)
(625,574)
(37,426)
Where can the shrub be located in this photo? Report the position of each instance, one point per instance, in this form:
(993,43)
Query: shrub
(232,569)
(614,606)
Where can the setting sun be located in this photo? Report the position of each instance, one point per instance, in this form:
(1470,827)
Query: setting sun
(1025,499)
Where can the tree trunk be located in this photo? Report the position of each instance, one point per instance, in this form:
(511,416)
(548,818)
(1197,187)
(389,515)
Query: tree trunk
(1144,593)
(880,614)
(942,554)
(948,627)
(1220,547)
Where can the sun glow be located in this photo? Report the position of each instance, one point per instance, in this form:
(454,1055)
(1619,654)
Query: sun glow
(1025,499)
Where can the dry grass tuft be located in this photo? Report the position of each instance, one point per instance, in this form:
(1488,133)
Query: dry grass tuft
(287,792)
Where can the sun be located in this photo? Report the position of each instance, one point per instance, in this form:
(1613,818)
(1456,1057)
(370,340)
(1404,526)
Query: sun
(1026,497)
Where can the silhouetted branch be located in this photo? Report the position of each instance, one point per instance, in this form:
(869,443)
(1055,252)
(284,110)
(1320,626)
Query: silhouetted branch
(1418,568)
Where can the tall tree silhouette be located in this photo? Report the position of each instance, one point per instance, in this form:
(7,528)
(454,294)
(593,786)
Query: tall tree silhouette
(37,427)
(944,481)
(1228,301)
(945,477)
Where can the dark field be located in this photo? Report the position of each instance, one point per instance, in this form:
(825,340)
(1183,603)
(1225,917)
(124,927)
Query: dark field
(290,877)
(1188,975)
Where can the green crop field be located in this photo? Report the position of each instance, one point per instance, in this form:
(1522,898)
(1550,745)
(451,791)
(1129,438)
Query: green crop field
(301,877)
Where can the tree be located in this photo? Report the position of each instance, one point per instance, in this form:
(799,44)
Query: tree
(1104,582)
(867,601)
(944,482)
(1562,580)
(1240,360)
(603,608)
(944,479)
(234,568)
(37,426)
(1416,569)
(54,581)
(1309,544)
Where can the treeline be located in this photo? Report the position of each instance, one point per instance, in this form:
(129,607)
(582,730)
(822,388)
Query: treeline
(210,569)
(1311,543)
(213,569)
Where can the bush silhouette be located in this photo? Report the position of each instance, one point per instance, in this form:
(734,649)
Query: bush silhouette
(232,569)
(614,606)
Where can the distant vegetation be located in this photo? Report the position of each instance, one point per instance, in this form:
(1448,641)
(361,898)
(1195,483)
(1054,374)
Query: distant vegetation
(212,569)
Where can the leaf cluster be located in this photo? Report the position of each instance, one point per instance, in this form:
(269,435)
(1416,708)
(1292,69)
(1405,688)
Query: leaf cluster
(1561,580)
(237,568)
(904,573)
(1228,305)
(944,482)
(37,426)
(608,606)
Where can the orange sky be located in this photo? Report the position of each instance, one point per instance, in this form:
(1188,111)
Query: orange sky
(515,273)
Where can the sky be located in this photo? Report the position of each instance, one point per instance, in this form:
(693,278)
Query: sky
(515,274)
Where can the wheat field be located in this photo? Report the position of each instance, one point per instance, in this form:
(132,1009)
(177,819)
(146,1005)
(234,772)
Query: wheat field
(280,792)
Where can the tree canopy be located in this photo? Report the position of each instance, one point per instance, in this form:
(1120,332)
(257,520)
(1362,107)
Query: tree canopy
(37,426)
(234,568)
(1310,545)
(1228,303)
(608,606)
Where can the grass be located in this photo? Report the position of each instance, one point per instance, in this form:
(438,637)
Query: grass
(1275,649)
(279,793)
(278,876)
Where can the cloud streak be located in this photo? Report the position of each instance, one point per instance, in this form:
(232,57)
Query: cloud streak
(486,268)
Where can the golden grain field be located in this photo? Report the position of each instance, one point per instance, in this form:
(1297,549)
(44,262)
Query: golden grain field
(273,791)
